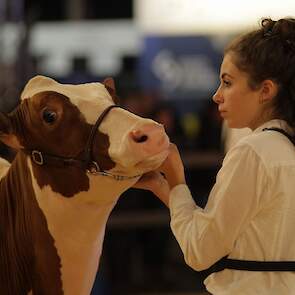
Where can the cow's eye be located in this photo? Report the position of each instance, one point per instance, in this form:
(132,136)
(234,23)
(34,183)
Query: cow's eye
(49,116)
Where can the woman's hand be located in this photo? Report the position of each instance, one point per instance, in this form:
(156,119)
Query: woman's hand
(173,170)
(155,182)
(173,167)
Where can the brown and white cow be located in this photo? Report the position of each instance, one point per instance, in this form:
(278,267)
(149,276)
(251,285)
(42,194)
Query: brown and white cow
(54,204)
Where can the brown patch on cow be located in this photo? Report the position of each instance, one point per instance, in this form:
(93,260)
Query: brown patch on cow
(101,146)
(65,137)
(109,84)
(67,182)
(28,257)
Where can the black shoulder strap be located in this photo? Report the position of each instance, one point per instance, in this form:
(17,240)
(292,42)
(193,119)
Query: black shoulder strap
(248,265)
(282,131)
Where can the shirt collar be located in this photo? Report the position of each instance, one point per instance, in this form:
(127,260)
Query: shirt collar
(277,124)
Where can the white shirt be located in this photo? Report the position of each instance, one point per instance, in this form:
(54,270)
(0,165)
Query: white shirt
(250,215)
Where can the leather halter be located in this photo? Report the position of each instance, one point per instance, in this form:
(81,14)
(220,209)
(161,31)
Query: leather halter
(86,163)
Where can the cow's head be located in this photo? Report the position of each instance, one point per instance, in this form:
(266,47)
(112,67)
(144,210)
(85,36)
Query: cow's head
(57,119)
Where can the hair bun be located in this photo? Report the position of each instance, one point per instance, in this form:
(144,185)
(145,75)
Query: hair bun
(267,24)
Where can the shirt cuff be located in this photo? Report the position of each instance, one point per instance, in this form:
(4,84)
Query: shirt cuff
(180,197)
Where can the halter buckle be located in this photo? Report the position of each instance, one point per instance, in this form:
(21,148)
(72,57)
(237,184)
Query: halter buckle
(37,157)
(93,168)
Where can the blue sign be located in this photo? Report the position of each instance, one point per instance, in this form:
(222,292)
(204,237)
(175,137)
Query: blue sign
(180,67)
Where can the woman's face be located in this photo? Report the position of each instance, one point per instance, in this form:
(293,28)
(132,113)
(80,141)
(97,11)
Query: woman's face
(238,104)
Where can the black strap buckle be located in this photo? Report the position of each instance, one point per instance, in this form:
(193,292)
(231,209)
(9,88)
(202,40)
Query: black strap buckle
(37,157)
(93,168)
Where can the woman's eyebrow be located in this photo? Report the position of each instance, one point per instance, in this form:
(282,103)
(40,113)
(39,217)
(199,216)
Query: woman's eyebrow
(226,74)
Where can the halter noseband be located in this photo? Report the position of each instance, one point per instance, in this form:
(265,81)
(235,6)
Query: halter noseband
(86,163)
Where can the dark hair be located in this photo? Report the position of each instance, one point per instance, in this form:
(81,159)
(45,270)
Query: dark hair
(269,53)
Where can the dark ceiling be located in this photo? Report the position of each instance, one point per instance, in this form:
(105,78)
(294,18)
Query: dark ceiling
(51,10)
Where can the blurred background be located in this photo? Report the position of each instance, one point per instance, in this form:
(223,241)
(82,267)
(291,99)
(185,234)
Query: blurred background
(164,56)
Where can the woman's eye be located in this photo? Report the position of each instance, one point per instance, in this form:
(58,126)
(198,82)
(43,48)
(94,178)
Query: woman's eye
(226,83)
(49,116)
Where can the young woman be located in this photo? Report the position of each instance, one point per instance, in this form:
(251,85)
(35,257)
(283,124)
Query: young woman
(250,214)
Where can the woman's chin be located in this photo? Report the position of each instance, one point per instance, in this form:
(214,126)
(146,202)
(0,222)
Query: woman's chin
(235,125)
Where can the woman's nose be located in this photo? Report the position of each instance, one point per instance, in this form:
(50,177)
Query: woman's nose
(217,98)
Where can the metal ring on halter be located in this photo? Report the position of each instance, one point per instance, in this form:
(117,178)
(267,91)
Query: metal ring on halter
(93,168)
(37,157)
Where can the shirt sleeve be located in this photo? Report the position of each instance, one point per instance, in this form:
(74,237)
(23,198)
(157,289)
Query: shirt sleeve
(206,235)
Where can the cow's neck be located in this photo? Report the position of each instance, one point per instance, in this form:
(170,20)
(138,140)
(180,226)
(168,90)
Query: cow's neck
(77,225)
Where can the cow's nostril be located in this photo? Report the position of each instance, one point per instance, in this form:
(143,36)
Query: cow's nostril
(142,138)
(138,137)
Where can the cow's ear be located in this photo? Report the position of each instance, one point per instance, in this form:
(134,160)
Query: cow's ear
(6,134)
(109,84)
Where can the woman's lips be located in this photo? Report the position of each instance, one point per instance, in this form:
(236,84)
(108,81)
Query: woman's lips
(222,113)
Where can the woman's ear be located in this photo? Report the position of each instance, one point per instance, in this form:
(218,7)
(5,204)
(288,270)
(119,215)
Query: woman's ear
(6,134)
(109,84)
(269,90)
